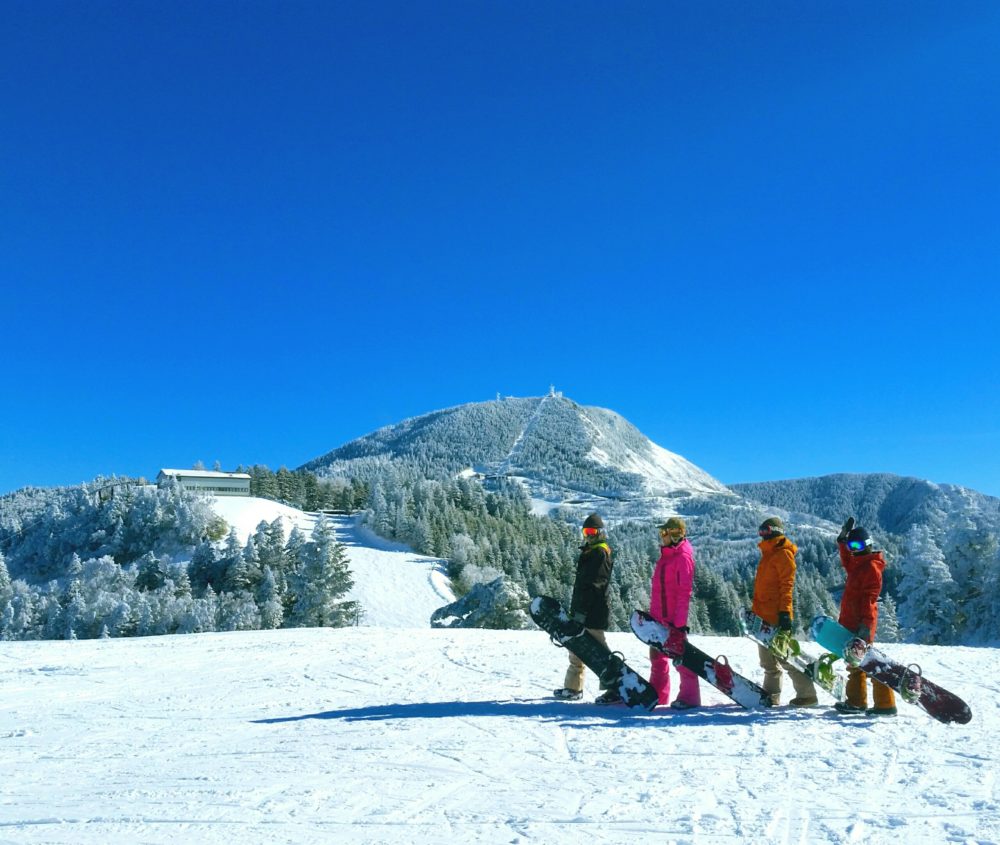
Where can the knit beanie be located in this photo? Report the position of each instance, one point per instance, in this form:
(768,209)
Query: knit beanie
(773,525)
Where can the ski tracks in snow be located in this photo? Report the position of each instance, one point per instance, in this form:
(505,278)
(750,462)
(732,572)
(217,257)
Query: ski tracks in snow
(380,736)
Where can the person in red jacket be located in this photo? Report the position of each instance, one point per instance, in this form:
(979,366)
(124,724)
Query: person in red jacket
(669,600)
(859,613)
(773,586)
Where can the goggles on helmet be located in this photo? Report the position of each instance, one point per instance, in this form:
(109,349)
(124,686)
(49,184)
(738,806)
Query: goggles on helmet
(590,532)
(857,545)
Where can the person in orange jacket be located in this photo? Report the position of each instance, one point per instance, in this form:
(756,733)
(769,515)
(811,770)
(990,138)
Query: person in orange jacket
(772,602)
(859,613)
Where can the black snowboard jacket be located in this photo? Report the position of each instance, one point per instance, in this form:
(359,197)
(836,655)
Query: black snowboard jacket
(593,580)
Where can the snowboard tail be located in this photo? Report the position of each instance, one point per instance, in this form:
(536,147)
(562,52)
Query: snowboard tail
(716,671)
(908,681)
(610,667)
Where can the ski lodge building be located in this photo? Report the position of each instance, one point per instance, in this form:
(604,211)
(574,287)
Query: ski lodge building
(203,481)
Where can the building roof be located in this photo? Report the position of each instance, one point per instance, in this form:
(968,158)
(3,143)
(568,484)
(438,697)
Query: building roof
(203,473)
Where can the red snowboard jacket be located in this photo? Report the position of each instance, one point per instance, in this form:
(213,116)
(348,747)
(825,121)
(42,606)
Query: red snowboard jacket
(859,607)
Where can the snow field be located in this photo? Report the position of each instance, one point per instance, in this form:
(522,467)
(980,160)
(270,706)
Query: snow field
(365,735)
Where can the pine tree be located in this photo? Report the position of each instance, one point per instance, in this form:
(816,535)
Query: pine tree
(927,610)
(269,600)
(322,581)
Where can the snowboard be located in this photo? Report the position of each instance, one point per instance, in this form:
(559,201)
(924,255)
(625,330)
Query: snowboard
(609,666)
(716,671)
(820,670)
(908,681)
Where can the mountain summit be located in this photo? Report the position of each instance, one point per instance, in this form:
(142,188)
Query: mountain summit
(565,454)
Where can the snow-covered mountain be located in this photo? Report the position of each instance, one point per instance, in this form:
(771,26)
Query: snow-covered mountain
(566,455)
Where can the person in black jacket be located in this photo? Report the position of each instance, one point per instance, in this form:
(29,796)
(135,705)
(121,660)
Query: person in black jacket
(590,604)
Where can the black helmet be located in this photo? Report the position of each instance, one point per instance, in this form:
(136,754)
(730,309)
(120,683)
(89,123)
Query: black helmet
(859,540)
(594,521)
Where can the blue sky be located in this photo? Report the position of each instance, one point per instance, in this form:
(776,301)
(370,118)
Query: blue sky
(767,234)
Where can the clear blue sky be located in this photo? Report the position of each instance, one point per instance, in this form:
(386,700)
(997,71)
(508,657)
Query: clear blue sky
(768,234)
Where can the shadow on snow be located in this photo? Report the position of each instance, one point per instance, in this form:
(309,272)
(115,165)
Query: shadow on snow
(545,709)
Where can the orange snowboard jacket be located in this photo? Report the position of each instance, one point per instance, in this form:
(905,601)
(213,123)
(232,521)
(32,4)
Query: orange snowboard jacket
(775,579)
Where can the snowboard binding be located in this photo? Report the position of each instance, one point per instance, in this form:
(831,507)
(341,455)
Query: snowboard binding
(824,672)
(783,645)
(723,672)
(912,683)
(855,651)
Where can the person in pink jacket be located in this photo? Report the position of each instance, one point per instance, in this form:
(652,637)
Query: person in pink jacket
(669,598)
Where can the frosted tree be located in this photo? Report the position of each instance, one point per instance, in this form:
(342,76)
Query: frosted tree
(18,615)
(269,599)
(6,592)
(927,609)
(322,581)
(888,622)
(149,576)
(971,551)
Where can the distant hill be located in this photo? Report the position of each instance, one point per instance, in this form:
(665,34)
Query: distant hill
(564,454)
(881,501)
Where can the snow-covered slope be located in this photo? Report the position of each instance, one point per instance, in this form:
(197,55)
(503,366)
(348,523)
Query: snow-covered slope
(559,450)
(357,736)
(396,587)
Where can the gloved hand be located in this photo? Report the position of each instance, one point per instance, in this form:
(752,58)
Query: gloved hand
(845,529)
(784,620)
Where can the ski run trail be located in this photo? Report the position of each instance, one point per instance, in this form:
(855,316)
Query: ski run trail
(379,734)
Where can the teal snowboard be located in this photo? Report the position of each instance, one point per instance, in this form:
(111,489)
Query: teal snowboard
(908,681)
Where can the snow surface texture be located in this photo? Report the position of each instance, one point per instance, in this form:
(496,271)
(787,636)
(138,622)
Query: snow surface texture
(396,587)
(368,736)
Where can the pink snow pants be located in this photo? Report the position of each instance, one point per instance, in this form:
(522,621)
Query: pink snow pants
(659,677)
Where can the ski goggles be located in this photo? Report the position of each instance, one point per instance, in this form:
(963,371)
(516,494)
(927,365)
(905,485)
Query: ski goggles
(856,545)
(674,533)
(590,532)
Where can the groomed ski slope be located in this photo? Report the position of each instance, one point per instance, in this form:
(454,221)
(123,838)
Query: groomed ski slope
(368,735)
(396,587)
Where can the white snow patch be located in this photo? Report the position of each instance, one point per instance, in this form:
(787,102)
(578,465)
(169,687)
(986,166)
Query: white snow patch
(313,736)
(396,587)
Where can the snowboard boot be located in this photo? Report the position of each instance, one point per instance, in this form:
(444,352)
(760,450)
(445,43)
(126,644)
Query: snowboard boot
(881,711)
(848,709)
(610,696)
(567,694)
(677,704)
(804,701)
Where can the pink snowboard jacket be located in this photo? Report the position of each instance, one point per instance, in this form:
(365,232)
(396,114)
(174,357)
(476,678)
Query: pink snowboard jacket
(673,580)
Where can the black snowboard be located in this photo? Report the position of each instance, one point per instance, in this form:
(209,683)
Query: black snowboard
(609,666)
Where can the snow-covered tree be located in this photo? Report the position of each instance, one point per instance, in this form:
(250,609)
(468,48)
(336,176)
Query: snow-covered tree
(322,581)
(927,609)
